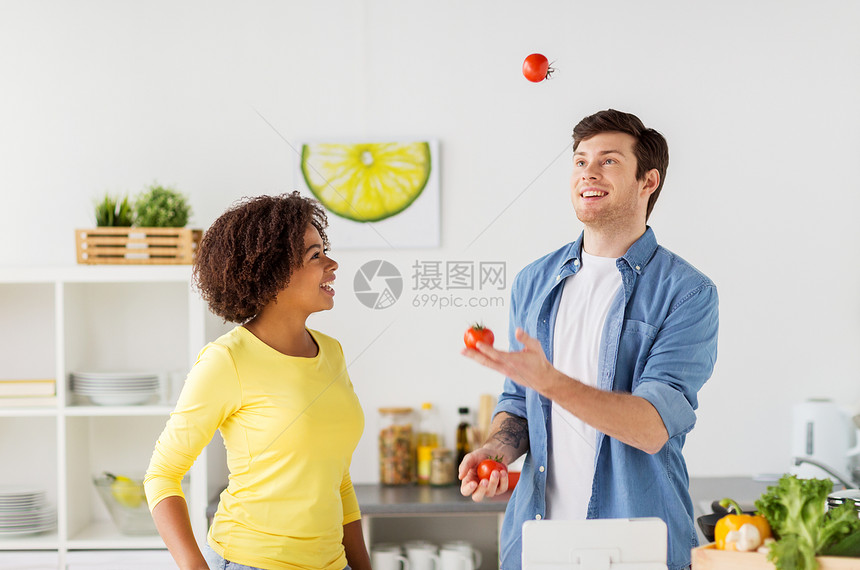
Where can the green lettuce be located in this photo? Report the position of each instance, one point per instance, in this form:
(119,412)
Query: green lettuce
(797,512)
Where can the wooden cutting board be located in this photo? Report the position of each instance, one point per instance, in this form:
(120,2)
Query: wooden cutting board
(709,558)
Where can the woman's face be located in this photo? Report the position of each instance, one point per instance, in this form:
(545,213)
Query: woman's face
(310,287)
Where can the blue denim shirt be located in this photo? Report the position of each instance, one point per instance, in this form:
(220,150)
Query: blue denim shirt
(660,343)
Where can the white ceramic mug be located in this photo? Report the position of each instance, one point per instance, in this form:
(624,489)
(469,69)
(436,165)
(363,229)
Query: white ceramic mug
(454,560)
(459,555)
(419,543)
(388,559)
(423,556)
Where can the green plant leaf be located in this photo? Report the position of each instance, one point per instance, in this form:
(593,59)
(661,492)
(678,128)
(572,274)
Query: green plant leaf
(124,214)
(110,212)
(105,211)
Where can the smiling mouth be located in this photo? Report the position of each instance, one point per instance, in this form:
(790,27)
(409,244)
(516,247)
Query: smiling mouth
(327,286)
(593,194)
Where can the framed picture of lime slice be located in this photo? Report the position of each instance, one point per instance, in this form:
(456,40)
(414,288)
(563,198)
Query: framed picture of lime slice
(377,194)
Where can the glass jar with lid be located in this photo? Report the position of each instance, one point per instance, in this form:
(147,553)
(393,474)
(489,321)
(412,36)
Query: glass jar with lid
(442,469)
(395,446)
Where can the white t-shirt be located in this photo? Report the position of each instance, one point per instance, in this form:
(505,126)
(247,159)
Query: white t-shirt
(585,302)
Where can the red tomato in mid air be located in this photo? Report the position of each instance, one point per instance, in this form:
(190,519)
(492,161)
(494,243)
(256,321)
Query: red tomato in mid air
(536,68)
(487,466)
(478,333)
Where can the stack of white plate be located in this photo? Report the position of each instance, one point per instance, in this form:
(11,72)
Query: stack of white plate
(24,511)
(116,388)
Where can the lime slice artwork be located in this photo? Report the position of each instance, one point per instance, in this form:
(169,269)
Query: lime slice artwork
(366,182)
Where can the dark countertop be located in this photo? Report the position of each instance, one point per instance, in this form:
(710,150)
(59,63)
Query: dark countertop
(376,499)
(381,500)
(413,499)
(744,490)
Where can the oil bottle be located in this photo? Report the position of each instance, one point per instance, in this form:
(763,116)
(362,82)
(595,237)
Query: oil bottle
(464,427)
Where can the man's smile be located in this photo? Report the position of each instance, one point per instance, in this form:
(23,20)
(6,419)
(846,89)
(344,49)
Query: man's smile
(593,193)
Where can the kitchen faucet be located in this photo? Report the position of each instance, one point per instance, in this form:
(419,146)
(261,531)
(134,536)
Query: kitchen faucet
(846,480)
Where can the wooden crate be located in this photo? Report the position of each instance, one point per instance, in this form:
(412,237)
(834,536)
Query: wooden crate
(709,558)
(137,246)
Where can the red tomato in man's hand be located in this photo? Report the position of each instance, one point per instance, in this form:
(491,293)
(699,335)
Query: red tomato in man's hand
(487,466)
(478,333)
(536,68)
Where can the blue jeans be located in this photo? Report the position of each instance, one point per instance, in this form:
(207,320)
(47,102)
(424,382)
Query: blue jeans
(217,562)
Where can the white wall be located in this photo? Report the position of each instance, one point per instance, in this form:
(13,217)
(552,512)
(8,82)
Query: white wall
(759,102)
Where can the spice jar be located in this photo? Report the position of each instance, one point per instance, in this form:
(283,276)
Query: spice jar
(395,446)
(442,470)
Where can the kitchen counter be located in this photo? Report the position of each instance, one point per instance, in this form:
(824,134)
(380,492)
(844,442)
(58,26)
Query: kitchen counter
(396,514)
(744,490)
(418,499)
(379,500)
(384,500)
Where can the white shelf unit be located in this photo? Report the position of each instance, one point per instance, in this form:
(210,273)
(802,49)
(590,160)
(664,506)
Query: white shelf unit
(56,321)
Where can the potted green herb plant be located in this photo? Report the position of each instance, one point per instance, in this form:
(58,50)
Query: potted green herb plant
(149,231)
(161,207)
(113,212)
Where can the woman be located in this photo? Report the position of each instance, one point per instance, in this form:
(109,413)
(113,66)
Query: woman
(278,392)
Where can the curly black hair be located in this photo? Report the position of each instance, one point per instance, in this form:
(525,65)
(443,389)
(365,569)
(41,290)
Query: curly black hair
(249,253)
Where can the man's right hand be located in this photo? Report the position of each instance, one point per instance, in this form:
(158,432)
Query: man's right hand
(477,488)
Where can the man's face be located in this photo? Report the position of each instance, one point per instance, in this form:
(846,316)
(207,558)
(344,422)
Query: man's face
(603,187)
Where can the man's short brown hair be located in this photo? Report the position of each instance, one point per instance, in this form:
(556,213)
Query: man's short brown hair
(650,149)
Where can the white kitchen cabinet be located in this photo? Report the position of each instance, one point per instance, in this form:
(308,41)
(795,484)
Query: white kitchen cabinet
(29,560)
(55,321)
(127,560)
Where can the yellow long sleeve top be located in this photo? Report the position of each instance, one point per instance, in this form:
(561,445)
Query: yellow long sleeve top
(290,426)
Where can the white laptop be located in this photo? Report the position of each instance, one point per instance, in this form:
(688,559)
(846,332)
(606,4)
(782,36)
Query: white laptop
(596,544)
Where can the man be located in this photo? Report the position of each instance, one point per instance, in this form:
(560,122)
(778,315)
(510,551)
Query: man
(612,336)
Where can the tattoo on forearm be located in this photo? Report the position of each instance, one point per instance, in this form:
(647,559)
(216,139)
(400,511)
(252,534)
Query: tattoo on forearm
(513,432)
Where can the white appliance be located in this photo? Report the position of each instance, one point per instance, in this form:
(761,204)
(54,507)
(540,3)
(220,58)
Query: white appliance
(825,434)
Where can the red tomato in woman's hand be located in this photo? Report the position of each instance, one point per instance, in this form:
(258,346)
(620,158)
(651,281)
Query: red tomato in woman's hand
(487,466)
(536,68)
(478,333)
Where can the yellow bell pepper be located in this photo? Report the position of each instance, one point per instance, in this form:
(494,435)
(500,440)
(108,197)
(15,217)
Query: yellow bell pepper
(740,531)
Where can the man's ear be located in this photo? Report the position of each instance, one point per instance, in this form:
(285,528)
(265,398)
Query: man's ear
(652,181)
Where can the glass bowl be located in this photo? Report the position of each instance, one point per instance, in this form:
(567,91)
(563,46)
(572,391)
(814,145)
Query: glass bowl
(126,502)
